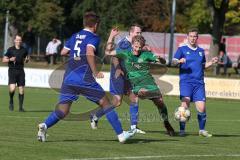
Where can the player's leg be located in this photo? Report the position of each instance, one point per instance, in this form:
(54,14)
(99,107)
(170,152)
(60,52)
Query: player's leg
(12,87)
(21,98)
(185,102)
(116,90)
(59,113)
(163,112)
(96,94)
(199,98)
(134,112)
(113,119)
(21,84)
(67,96)
(186,91)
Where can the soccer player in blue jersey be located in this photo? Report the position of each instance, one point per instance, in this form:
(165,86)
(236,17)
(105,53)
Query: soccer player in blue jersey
(192,88)
(79,79)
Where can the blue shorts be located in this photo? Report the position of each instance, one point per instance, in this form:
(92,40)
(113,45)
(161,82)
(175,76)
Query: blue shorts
(119,85)
(92,91)
(196,91)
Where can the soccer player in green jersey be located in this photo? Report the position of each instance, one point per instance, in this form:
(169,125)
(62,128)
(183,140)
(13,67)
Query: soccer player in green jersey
(137,65)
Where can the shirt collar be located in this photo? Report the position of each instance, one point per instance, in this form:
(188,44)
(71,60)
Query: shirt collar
(189,46)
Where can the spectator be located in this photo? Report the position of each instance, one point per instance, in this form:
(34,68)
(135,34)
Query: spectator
(52,50)
(236,66)
(222,62)
(28,40)
(222,46)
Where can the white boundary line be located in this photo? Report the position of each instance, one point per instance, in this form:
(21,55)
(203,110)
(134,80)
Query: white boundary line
(159,156)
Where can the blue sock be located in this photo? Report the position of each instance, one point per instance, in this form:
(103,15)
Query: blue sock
(202,117)
(134,113)
(100,113)
(53,118)
(182,126)
(112,118)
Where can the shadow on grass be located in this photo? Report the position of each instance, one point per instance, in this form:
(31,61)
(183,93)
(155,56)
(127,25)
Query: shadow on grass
(226,135)
(195,134)
(38,111)
(130,141)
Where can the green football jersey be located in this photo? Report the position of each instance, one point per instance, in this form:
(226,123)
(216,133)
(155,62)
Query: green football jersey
(137,69)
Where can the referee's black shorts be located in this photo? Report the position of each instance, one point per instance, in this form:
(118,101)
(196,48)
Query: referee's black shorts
(16,76)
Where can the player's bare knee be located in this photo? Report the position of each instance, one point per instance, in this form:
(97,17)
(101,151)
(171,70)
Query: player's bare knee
(185,102)
(12,87)
(21,90)
(104,102)
(117,101)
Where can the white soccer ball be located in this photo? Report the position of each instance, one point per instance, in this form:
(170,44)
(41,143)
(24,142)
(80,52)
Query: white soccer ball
(182,114)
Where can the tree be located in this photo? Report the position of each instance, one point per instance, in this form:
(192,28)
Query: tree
(155,14)
(218,11)
(112,13)
(233,18)
(199,16)
(47,18)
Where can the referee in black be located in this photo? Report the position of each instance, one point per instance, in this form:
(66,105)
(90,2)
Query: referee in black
(15,57)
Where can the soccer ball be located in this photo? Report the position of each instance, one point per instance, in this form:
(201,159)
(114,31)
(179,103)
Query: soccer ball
(182,114)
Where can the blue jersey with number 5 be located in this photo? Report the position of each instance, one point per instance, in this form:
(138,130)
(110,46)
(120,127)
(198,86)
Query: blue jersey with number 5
(78,70)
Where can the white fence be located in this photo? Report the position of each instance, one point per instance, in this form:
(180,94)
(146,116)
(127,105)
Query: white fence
(215,87)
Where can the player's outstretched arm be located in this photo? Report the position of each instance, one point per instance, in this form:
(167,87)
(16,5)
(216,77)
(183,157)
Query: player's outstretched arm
(214,60)
(110,47)
(64,52)
(175,61)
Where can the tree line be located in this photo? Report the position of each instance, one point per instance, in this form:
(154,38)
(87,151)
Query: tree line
(60,17)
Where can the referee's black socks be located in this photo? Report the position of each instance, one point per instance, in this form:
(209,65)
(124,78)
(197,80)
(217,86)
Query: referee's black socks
(21,98)
(11,95)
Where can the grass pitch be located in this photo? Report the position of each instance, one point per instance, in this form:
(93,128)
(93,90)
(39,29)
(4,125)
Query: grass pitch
(75,139)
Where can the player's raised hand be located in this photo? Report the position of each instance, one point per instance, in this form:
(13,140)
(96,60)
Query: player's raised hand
(114,32)
(99,75)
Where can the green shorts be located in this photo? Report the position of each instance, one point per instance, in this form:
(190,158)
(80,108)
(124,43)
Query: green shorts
(148,84)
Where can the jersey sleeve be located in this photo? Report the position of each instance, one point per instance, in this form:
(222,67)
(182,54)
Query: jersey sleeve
(8,53)
(94,42)
(69,42)
(121,54)
(179,54)
(149,56)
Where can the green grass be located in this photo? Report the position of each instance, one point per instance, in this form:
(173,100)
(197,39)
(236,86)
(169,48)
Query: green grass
(75,139)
